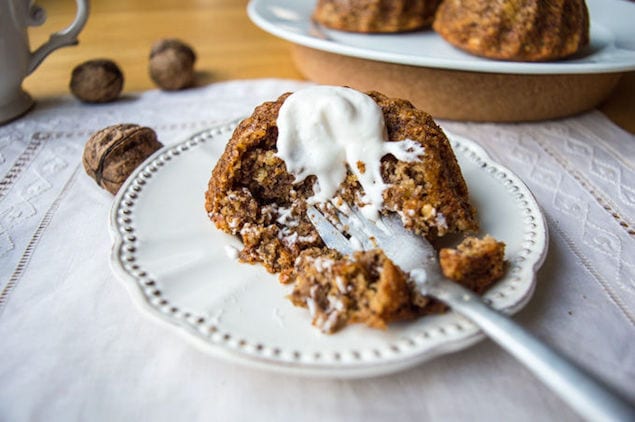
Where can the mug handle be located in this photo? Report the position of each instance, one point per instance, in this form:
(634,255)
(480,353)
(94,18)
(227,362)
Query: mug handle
(59,39)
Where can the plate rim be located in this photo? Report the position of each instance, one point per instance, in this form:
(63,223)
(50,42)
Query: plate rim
(475,64)
(315,370)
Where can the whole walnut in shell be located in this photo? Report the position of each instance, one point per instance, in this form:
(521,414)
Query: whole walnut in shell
(97,81)
(112,154)
(172,64)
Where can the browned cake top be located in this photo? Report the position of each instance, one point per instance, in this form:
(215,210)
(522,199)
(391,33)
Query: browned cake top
(523,30)
(375,15)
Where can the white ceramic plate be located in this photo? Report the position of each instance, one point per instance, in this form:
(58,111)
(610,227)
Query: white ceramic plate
(612,47)
(176,266)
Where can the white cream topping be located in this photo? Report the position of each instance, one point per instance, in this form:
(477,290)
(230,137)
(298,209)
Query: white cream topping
(322,129)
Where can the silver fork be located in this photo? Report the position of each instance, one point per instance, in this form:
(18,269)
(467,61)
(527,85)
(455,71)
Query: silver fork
(589,396)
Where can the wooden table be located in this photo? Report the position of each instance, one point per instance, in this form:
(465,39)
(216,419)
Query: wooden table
(229,46)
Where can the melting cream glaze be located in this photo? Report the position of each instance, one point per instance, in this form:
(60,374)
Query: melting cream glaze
(324,129)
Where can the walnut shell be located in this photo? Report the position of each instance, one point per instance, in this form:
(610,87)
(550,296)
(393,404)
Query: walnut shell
(111,154)
(171,64)
(97,81)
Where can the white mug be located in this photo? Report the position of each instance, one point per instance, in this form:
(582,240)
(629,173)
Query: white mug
(16,59)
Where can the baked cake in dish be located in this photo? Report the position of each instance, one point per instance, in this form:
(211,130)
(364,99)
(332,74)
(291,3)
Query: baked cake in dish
(375,15)
(518,30)
(379,153)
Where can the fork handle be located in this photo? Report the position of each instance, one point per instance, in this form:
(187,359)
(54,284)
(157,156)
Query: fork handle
(590,397)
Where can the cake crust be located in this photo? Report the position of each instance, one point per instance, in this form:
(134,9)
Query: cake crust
(517,30)
(375,15)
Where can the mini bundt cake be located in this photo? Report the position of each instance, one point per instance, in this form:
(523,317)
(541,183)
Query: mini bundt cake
(251,193)
(517,30)
(375,15)
(255,194)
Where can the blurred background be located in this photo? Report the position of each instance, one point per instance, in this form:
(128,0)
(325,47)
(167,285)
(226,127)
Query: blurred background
(228,46)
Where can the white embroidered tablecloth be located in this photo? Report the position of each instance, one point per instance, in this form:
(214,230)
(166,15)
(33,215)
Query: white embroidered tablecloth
(73,346)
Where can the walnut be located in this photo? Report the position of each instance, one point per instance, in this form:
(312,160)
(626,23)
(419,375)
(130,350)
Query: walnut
(172,64)
(97,81)
(111,154)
